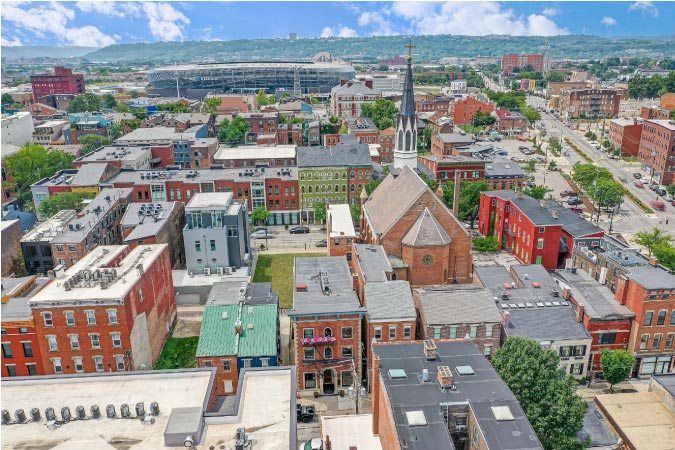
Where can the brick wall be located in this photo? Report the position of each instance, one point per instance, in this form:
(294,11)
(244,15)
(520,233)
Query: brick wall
(11,249)
(222,375)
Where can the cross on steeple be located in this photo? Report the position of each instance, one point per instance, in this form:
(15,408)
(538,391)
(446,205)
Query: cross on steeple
(410,46)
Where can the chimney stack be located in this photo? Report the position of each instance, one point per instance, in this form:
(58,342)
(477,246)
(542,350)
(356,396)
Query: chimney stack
(554,213)
(519,193)
(580,312)
(429,349)
(444,376)
(506,319)
(653,261)
(455,201)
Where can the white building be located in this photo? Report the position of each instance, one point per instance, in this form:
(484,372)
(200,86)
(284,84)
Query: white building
(17,129)
(347,98)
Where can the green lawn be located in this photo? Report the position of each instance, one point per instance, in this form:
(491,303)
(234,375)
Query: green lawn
(185,348)
(279,270)
(470,128)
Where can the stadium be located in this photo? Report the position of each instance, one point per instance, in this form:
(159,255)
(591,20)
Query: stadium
(197,80)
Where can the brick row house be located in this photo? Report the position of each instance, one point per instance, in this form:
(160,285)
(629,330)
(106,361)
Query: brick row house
(657,150)
(625,134)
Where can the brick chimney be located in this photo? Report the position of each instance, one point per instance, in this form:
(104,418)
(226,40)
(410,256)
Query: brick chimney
(444,376)
(580,312)
(455,201)
(653,261)
(343,82)
(369,84)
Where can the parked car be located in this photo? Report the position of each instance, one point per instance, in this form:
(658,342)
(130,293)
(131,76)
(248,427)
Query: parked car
(612,156)
(653,187)
(322,243)
(522,139)
(644,180)
(568,193)
(314,444)
(662,192)
(262,233)
(574,201)
(576,209)
(300,229)
(658,205)
(305,413)
(669,198)
(639,184)
(637,175)
(598,147)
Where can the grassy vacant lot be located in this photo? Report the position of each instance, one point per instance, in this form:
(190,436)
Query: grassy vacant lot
(185,348)
(279,270)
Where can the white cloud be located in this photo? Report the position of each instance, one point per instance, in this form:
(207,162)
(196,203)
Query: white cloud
(164,21)
(339,31)
(550,12)
(381,25)
(645,7)
(609,21)
(15,42)
(52,19)
(473,19)
(111,9)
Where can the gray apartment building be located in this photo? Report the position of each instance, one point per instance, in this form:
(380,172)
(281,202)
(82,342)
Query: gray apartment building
(216,234)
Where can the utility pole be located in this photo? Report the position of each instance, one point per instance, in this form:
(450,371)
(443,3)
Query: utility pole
(356,390)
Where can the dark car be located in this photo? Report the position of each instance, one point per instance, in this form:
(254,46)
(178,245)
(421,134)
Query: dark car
(305,413)
(637,175)
(574,201)
(653,187)
(568,193)
(576,209)
(322,243)
(300,229)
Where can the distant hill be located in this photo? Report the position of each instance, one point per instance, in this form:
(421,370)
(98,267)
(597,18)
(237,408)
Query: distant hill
(43,51)
(429,48)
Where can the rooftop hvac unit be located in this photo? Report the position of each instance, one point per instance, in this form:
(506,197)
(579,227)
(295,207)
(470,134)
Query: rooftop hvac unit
(228,270)
(220,270)
(207,271)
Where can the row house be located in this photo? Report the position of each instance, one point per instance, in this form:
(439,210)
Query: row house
(132,157)
(443,169)
(463,110)
(326,326)
(625,134)
(657,150)
(349,96)
(256,156)
(20,348)
(431,103)
(502,173)
(290,134)
(535,231)
(110,312)
(446,144)
(509,122)
(370,264)
(654,113)
(386,141)
(274,188)
(364,130)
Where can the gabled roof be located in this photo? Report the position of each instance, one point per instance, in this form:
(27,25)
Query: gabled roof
(426,232)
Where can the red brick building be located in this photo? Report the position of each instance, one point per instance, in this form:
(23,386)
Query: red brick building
(539,62)
(110,312)
(417,230)
(10,239)
(443,169)
(654,113)
(387,138)
(349,96)
(370,264)
(62,81)
(444,144)
(657,150)
(509,122)
(625,134)
(536,231)
(364,130)
(20,347)
(463,110)
(430,103)
(325,326)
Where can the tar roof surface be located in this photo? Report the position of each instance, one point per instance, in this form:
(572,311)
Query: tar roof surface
(336,156)
(342,297)
(500,167)
(374,262)
(480,392)
(390,301)
(651,277)
(458,304)
(145,226)
(599,302)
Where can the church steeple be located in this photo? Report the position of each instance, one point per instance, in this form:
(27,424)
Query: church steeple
(405,150)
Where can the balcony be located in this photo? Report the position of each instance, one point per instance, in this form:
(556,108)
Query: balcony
(318,340)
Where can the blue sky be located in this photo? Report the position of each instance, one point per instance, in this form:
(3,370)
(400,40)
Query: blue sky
(104,23)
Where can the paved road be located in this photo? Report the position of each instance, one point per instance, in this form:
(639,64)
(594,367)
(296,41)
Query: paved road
(283,240)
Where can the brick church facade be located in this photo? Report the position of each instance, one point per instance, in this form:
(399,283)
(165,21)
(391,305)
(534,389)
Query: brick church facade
(425,242)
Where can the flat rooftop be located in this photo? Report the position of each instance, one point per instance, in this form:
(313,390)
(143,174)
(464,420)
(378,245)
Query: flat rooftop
(458,304)
(145,177)
(116,153)
(599,302)
(146,218)
(667,124)
(249,152)
(350,431)
(374,262)
(48,229)
(202,200)
(99,259)
(340,218)
(158,134)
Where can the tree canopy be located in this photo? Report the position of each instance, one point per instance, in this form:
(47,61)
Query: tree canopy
(616,365)
(175,107)
(260,215)
(211,104)
(320,211)
(538,192)
(652,239)
(469,198)
(486,244)
(233,132)
(262,99)
(122,108)
(7,99)
(548,398)
(109,101)
(64,200)
(481,119)
(84,103)
(382,112)
(92,142)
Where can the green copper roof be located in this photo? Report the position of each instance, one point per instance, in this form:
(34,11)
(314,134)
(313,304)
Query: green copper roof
(258,336)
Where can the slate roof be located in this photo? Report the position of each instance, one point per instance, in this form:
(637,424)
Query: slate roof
(92,174)
(342,154)
(458,304)
(426,232)
(456,138)
(258,337)
(390,301)
(408,97)
(374,262)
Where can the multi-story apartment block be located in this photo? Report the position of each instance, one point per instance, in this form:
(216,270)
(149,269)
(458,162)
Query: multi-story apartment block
(657,150)
(112,311)
(589,102)
(156,223)
(538,62)
(536,231)
(387,139)
(216,233)
(463,110)
(20,348)
(431,103)
(364,130)
(62,81)
(86,124)
(253,156)
(446,144)
(326,324)
(49,132)
(17,129)
(502,173)
(347,98)
(260,124)
(625,134)
(36,244)
(443,169)
(455,312)
(127,157)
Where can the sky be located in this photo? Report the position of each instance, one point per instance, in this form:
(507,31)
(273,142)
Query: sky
(103,23)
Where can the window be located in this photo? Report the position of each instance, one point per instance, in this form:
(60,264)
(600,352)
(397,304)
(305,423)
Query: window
(70,318)
(98,362)
(95,340)
(407,331)
(79,367)
(73,261)
(308,333)
(208,363)
(56,362)
(119,363)
(337,241)
(27,349)
(226,365)
(264,362)
(71,248)
(606,338)
(198,246)
(327,332)
(576,369)
(308,354)
(59,248)
(47,318)
(473,332)
(32,370)
(347,333)
(672,318)
(487,350)
(213,245)
(540,243)
(112,316)
(310,381)
(392,332)
(488,331)
(649,315)
(74,341)
(579,350)
(116,339)
(7,350)
(11,370)
(347,378)
(377,333)
(661,318)
(453,332)
(347,351)
(656,343)
(91,317)
(644,341)
(565,351)
(232,231)
(52,344)
(328,353)
(247,363)
(669,340)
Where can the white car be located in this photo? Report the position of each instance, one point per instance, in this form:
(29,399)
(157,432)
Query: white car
(668,198)
(644,180)
(314,444)
(261,234)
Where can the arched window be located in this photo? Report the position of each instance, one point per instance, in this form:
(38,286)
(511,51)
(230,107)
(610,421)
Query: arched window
(327,332)
(408,145)
(344,188)
(353,175)
(328,353)
(393,276)
(337,188)
(330,188)
(412,149)
(367,175)
(309,189)
(302,189)
(352,187)
(399,143)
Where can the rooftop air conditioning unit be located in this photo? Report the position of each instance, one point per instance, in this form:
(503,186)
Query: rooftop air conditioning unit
(207,271)
(219,270)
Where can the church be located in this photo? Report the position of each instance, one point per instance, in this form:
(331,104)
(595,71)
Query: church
(425,242)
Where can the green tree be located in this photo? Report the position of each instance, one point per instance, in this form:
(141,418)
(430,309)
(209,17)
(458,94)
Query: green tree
(665,253)
(64,200)
(552,165)
(425,142)
(382,112)
(233,132)
(531,114)
(122,108)
(344,129)
(530,166)
(616,365)
(548,398)
(671,189)
(7,99)
(333,120)
(32,163)
(469,198)
(486,244)
(92,142)
(370,187)
(116,131)
(482,119)
(433,184)
(652,239)
(286,95)
(319,212)
(173,107)
(586,175)
(608,193)
(355,211)
(211,105)
(133,94)
(261,98)
(109,101)
(84,103)
(538,192)
(260,215)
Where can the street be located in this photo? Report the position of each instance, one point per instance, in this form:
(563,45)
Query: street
(282,241)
